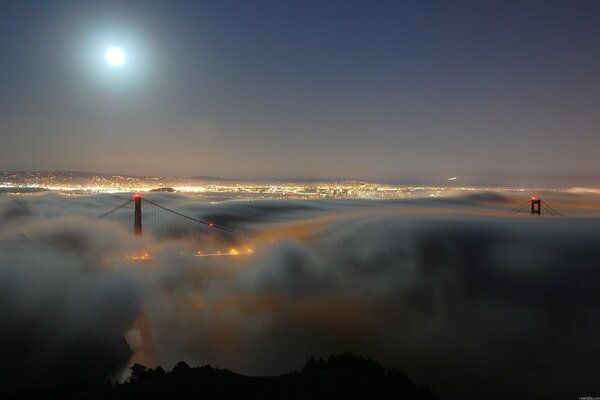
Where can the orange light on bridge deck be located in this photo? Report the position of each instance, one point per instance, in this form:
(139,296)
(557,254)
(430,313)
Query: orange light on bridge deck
(233,252)
(144,256)
(250,251)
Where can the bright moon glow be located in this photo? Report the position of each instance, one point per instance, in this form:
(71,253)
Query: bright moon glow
(115,56)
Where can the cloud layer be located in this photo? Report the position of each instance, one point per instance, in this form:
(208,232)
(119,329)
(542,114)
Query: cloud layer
(461,295)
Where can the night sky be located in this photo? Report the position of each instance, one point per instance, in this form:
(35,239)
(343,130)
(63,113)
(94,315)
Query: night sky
(401,91)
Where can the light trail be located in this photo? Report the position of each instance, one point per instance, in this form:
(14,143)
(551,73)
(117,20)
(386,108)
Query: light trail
(230,253)
(221,254)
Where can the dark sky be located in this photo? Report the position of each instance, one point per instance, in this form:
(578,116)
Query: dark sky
(407,91)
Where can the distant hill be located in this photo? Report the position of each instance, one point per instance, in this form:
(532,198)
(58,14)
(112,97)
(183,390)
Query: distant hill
(67,175)
(208,178)
(163,190)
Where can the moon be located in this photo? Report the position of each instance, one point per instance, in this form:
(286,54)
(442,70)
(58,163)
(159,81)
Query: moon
(115,56)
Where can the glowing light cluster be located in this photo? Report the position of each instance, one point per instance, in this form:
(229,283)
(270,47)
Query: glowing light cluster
(219,253)
(199,253)
(144,256)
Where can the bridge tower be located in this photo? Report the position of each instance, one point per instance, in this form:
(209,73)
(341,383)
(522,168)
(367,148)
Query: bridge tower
(536,206)
(148,352)
(137,224)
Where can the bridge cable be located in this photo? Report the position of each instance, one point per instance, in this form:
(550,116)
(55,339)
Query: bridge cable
(552,210)
(115,209)
(519,208)
(209,224)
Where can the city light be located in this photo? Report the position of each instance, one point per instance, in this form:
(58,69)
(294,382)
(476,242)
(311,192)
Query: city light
(75,184)
(199,253)
(138,257)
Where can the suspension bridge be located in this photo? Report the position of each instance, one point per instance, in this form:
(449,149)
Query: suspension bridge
(165,223)
(536,207)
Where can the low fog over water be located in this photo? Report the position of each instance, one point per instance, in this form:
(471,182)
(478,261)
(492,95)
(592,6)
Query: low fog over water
(458,292)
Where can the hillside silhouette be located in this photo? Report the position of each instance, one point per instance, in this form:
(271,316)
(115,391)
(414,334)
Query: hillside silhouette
(339,376)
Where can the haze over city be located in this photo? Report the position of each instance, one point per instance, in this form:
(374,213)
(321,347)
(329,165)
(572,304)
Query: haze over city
(299,199)
(497,93)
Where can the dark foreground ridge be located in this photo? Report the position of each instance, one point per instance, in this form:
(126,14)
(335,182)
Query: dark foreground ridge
(340,376)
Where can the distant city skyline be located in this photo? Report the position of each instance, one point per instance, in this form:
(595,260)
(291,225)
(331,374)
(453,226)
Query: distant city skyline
(494,93)
(73,180)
